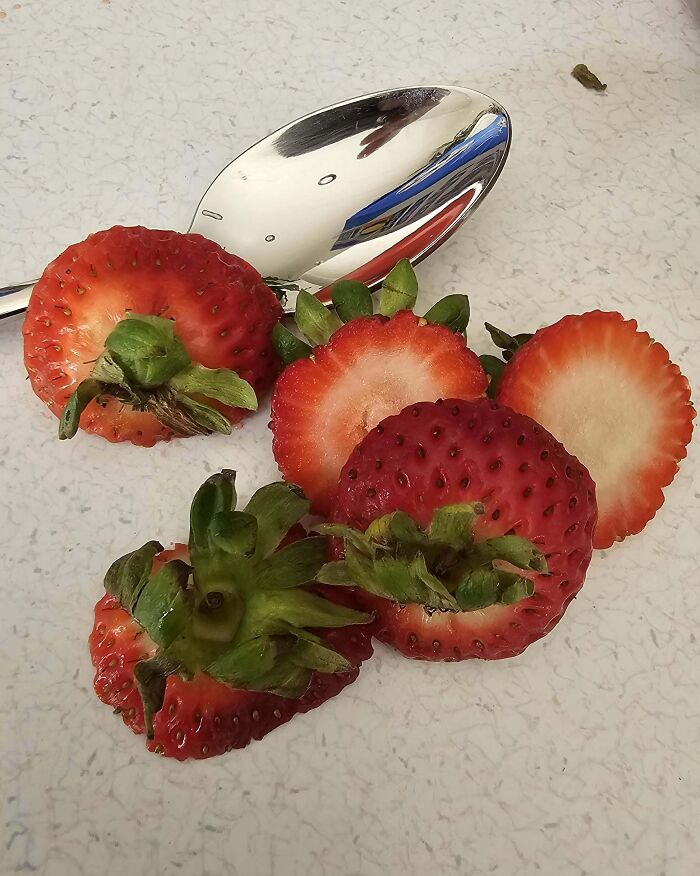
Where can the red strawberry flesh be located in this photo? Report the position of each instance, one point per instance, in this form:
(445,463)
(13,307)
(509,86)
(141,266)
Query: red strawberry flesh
(459,451)
(371,367)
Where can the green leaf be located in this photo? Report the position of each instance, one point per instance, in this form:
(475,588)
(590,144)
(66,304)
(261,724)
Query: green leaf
(217,494)
(107,370)
(399,290)
(409,581)
(348,534)
(437,595)
(501,339)
(516,588)
(478,590)
(318,656)
(278,507)
(218,383)
(207,417)
(288,346)
(163,605)
(512,549)
(452,312)
(352,299)
(336,574)
(127,576)
(286,679)
(294,565)
(234,532)
(314,320)
(87,390)
(246,663)
(493,366)
(151,678)
(396,527)
(454,524)
(147,349)
(273,612)
(361,569)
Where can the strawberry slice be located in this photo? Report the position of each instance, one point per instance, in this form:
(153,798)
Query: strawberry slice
(166,333)
(611,394)
(209,646)
(359,373)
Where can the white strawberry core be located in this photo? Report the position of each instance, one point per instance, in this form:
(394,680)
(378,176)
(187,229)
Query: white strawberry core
(603,415)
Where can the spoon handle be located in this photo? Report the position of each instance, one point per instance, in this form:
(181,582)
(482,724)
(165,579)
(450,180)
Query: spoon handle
(14,299)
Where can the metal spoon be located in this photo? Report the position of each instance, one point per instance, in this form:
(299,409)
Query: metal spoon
(350,189)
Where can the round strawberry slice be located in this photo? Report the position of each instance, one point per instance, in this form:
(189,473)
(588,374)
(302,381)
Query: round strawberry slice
(209,646)
(327,400)
(138,335)
(611,394)
(465,527)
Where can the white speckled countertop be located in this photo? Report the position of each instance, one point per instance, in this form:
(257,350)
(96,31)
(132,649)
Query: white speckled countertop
(581,757)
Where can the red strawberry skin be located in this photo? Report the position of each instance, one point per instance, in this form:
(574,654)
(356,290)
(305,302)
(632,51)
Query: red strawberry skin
(611,394)
(371,368)
(223,311)
(202,718)
(457,451)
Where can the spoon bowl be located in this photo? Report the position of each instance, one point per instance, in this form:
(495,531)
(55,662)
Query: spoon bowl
(347,191)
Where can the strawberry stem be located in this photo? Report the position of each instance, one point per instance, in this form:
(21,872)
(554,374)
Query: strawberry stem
(441,567)
(145,365)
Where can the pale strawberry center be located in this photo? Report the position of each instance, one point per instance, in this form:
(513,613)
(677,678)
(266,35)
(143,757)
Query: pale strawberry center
(604,416)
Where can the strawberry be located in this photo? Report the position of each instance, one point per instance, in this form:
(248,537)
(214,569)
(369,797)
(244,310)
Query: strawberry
(611,394)
(466,528)
(138,335)
(208,646)
(327,399)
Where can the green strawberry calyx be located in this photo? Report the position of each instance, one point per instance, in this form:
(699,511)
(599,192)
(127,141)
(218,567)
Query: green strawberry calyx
(316,323)
(440,567)
(240,610)
(145,365)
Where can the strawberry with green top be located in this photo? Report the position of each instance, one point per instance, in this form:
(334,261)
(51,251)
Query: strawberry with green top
(464,526)
(611,394)
(360,367)
(141,335)
(208,646)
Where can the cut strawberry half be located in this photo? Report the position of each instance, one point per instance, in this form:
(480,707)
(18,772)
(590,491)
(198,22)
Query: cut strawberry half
(612,396)
(137,335)
(325,402)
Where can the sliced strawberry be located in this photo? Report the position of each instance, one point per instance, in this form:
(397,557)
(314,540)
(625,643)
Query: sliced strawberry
(611,394)
(223,315)
(370,368)
(517,480)
(233,605)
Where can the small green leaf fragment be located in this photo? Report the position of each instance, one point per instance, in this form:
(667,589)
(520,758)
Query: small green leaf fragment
(207,417)
(217,494)
(454,524)
(151,678)
(296,564)
(127,576)
(582,74)
(399,290)
(163,606)
(314,320)
(352,299)
(244,664)
(288,346)
(359,540)
(493,366)
(501,339)
(147,349)
(518,588)
(234,532)
(478,590)
(512,549)
(87,390)
(452,312)
(335,574)
(278,507)
(273,612)
(218,383)
(318,656)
